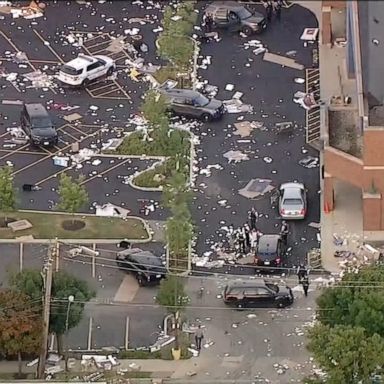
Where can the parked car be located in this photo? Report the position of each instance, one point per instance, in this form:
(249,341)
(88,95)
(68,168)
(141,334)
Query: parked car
(292,201)
(144,265)
(38,126)
(234,16)
(83,69)
(193,104)
(269,252)
(257,293)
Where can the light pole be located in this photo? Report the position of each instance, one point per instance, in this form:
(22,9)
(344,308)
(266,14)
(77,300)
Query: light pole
(71,299)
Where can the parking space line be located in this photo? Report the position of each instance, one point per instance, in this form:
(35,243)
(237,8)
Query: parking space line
(48,46)
(101,95)
(96,45)
(68,134)
(104,86)
(11,151)
(75,129)
(15,151)
(99,51)
(106,171)
(18,50)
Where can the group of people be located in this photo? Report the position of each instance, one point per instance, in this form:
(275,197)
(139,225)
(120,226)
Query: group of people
(245,239)
(273,7)
(208,22)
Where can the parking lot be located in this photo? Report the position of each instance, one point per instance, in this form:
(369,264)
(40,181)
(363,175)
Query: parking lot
(106,107)
(121,313)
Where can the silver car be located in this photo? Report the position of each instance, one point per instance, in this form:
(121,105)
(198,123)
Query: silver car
(292,201)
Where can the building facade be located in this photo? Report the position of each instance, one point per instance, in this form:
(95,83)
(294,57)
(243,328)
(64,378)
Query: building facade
(353,136)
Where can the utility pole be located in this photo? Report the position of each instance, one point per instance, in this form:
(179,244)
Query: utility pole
(47,287)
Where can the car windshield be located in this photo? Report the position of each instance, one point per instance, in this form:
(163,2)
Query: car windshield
(243,13)
(70,70)
(292,202)
(273,287)
(41,122)
(201,101)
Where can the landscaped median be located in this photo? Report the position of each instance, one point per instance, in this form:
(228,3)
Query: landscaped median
(50,225)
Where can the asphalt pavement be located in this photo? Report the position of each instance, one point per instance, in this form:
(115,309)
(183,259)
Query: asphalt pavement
(269,88)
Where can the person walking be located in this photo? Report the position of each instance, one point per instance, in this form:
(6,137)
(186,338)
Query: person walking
(253,217)
(284,232)
(305,283)
(302,273)
(199,336)
(247,231)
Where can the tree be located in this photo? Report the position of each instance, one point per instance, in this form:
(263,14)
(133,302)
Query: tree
(358,300)
(176,193)
(177,49)
(347,354)
(7,191)
(173,298)
(154,108)
(72,194)
(64,285)
(20,324)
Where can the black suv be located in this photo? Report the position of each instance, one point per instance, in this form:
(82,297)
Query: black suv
(269,252)
(191,103)
(235,17)
(147,268)
(257,293)
(38,126)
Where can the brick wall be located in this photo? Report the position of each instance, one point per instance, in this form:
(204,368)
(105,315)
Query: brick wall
(374,146)
(338,4)
(343,166)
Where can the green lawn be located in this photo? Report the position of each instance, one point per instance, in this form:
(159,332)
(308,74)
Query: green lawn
(49,226)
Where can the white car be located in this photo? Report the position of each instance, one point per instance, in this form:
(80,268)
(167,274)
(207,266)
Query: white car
(292,201)
(83,69)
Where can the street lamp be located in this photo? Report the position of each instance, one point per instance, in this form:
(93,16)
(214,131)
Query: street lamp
(71,299)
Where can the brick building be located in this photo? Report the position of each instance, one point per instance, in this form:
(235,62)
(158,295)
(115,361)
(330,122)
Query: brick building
(353,121)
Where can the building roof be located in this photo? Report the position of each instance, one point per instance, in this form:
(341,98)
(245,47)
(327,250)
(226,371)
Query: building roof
(371,25)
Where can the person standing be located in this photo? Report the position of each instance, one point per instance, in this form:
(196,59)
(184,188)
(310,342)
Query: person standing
(199,336)
(302,273)
(305,283)
(269,10)
(241,239)
(208,23)
(277,6)
(247,231)
(253,217)
(253,235)
(284,232)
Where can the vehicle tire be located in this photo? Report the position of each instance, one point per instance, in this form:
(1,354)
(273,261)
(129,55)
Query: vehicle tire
(240,306)
(247,31)
(110,71)
(85,82)
(140,281)
(280,304)
(206,117)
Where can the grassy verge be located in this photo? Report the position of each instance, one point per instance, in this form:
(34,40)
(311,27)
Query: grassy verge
(134,145)
(49,226)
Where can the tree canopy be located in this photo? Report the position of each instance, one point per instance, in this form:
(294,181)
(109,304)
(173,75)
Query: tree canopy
(64,285)
(154,108)
(7,190)
(72,194)
(348,354)
(358,300)
(20,325)
(172,294)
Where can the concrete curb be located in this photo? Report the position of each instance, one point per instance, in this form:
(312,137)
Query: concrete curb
(137,174)
(147,228)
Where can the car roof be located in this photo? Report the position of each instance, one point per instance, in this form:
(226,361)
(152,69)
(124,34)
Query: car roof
(141,257)
(36,109)
(81,61)
(187,93)
(268,242)
(224,4)
(292,190)
(247,284)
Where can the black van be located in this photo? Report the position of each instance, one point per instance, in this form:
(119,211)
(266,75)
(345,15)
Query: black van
(37,125)
(257,293)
